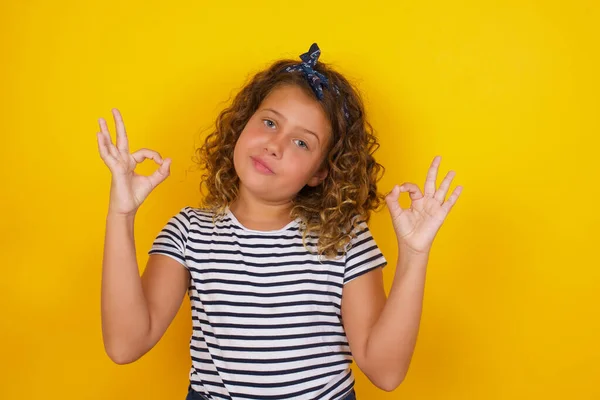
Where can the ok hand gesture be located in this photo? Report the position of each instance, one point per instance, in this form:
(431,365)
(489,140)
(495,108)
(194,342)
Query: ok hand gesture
(417,226)
(128,190)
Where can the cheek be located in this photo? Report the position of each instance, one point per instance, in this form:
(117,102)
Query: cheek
(249,136)
(240,145)
(245,140)
(304,164)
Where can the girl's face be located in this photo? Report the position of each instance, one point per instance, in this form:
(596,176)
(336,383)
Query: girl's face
(283,145)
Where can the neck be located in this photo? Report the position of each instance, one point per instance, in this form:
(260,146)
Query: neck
(260,215)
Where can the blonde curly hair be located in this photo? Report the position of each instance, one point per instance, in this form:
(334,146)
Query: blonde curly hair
(333,210)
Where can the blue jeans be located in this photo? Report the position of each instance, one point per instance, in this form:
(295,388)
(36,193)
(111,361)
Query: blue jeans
(193,395)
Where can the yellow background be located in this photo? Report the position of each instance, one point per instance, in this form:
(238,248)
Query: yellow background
(506,91)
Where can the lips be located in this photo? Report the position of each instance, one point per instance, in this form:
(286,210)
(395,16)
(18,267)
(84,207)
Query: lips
(262,165)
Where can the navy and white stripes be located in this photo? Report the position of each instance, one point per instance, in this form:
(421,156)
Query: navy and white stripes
(266,312)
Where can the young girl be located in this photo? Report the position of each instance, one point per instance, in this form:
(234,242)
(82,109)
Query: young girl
(282,272)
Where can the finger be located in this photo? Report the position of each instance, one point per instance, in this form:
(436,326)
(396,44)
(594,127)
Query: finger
(111,147)
(161,173)
(122,142)
(432,176)
(440,194)
(394,194)
(142,154)
(413,190)
(108,158)
(392,200)
(448,204)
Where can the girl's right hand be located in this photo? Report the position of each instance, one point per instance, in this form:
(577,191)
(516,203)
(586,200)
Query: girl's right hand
(128,190)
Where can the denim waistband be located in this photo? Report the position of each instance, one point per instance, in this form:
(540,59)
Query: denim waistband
(350,396)
(193,395)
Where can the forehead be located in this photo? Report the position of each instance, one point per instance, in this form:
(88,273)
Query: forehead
(299,109)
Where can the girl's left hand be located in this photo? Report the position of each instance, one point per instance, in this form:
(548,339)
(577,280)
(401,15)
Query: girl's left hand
(417,226)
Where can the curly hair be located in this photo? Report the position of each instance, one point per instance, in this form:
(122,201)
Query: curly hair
(333,210)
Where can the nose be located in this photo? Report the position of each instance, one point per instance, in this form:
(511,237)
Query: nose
(274,146)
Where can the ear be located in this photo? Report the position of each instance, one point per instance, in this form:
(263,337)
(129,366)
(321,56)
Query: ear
(318,177)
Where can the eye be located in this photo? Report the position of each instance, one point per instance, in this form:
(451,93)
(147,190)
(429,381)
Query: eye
(303,143)
(268,123)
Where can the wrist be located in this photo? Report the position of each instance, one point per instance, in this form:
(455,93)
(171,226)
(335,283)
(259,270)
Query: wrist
(406,251)
(410,259)
(410,264)
(116,215)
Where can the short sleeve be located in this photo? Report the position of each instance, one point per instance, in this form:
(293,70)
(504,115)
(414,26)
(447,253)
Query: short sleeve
(171,240)
(364,254)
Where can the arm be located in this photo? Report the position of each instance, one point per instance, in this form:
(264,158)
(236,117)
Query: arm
(136,311)
(382,333)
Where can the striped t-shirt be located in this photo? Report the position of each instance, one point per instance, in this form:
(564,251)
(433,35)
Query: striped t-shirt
(266,313)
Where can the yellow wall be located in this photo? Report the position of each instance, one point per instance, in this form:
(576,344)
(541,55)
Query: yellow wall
(507,92)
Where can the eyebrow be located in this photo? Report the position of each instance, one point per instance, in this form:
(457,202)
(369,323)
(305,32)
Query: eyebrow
(282,116)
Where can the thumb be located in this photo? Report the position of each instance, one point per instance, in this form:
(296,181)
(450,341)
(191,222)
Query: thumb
(392,200)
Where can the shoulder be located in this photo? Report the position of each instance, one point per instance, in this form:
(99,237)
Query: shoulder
(195,214)
(203,220)
(362,253)
(359,233)
(186,218)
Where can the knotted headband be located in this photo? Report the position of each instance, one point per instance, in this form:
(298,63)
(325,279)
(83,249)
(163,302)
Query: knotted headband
(316,80)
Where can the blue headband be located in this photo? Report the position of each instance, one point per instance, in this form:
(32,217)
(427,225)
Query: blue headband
(315,79)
